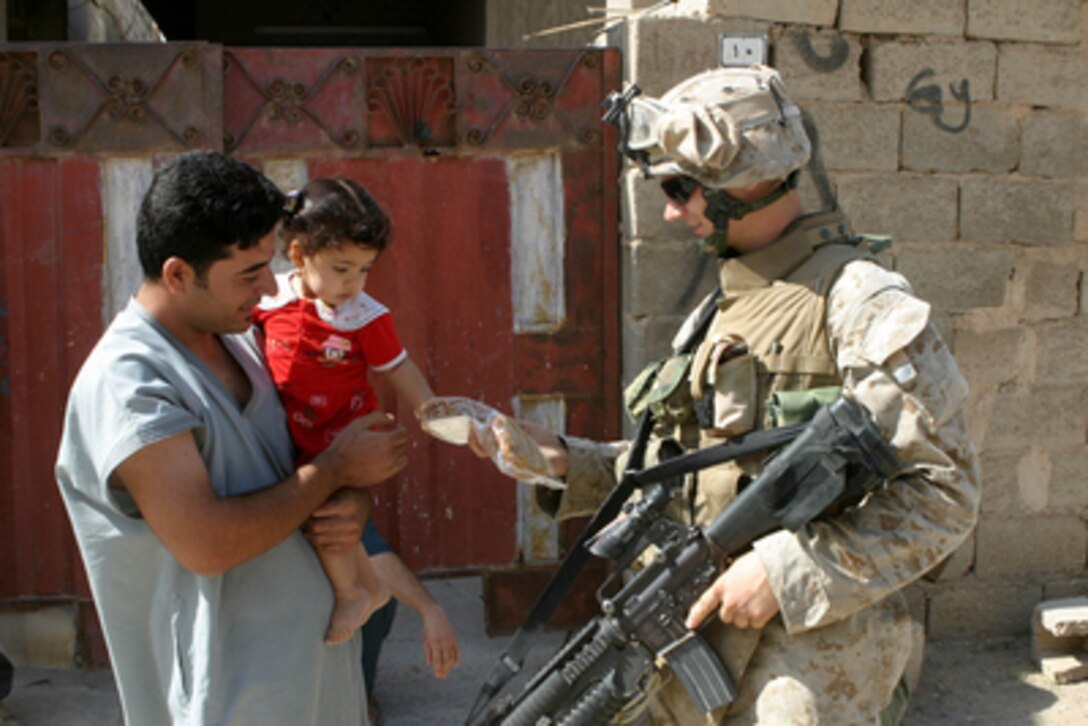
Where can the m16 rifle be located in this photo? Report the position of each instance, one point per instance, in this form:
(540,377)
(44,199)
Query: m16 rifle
(833,462)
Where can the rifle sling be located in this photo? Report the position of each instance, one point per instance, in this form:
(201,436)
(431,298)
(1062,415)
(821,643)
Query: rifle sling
(512,659)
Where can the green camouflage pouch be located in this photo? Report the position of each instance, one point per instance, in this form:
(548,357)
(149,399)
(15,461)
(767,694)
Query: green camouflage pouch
(663,387)
(790,407)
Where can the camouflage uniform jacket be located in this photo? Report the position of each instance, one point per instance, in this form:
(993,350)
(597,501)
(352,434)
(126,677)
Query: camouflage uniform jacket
(839,645)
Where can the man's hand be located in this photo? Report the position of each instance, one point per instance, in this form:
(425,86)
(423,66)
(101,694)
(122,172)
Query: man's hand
(439,641)
(742,595)
(338,523)
(361,457)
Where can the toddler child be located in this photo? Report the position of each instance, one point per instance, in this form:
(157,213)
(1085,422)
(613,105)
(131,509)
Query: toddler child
(321,336)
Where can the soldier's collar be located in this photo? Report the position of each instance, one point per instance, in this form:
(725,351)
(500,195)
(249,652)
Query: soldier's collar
(780,258)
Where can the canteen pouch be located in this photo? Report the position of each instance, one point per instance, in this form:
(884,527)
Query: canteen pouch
(724,386)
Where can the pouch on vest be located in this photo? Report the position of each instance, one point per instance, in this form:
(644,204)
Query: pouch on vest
(662,386)
(791,407)
(724,385)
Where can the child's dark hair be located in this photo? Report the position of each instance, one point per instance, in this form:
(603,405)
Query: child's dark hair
(328,211)
(201,204)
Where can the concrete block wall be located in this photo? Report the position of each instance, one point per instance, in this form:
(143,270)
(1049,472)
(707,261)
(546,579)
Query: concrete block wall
(960,128)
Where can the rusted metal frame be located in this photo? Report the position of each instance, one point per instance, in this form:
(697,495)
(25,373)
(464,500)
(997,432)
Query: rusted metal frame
(347,63)
(349,66)
(477,62)
(589,135)
(61,137)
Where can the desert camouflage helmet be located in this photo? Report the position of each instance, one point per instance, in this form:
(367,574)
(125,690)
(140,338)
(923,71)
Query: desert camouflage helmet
(727,127)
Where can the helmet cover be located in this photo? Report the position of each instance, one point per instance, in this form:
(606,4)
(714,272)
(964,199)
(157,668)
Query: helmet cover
(726,127)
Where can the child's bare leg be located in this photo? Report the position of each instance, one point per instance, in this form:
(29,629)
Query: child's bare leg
(357,588)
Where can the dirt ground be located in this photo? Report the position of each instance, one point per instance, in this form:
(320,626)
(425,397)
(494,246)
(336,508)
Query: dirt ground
(992,682)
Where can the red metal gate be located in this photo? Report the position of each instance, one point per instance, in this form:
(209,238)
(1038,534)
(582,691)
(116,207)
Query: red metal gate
(496,172)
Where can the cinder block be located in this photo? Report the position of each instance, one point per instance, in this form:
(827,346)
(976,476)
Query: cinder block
(1062,355)
(1030,545)
(628,4)
(923,17)
(43,637)
(509,22)
(1000,484)
(645,340)
(1065,588)
(810,12)
(893,65)
(662,51)
(909,207)
(1068,492)
(666,277)
(1063,618)
(1052,290)
(992,357)
(1015,209)
(857,136)
(1059,637)
(973,608)
(812,67)
(644,207)
(1055,144)
(1033,476)
(1053,21)
(955,277)
(990,143)
(1080,217)
(1042,75)
(1050,416)
(1065,668)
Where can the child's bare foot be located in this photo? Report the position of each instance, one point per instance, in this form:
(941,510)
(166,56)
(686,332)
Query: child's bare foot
(351,610)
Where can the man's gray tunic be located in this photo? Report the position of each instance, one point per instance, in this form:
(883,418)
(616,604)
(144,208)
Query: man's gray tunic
(245,647)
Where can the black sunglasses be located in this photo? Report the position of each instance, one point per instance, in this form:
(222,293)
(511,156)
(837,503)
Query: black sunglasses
(679,188)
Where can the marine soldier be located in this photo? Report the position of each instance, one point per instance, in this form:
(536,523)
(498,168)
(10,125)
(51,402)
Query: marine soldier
(812,625)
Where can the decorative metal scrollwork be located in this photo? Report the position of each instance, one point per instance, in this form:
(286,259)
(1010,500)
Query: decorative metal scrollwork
(18,94)
(125,99)
(128,98)
(415,96)
(290,101)
(534,99)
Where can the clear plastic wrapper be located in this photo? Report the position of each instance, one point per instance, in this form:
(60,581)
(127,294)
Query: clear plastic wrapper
(516,454)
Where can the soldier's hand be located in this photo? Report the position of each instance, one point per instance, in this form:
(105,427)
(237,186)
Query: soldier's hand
(361,456)
(742,595)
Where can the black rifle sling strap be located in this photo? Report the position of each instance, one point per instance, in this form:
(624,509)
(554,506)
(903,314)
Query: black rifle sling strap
(513,658)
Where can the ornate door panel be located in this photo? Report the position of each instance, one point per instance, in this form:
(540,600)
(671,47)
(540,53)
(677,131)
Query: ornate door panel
(501,184)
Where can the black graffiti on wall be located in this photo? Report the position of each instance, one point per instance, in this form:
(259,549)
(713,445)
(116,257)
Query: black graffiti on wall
(929,99)
(834,60)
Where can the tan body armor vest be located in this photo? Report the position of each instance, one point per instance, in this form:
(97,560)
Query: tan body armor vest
(768,339)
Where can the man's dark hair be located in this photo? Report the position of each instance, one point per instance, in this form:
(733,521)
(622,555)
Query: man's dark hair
(201,204)
(328,212)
